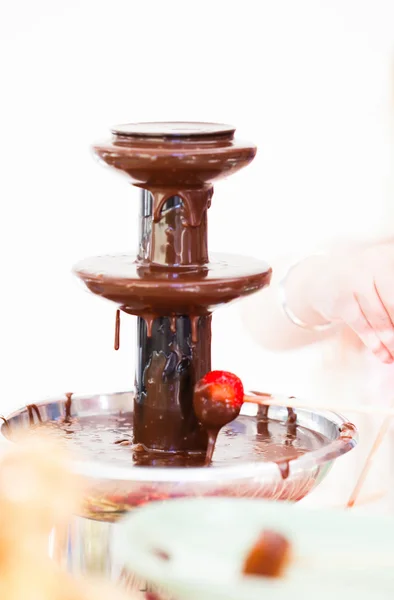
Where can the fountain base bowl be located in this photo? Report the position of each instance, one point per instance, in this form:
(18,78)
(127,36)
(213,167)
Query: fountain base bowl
(112,489)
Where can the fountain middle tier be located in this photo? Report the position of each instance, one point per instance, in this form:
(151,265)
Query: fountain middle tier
(164,291)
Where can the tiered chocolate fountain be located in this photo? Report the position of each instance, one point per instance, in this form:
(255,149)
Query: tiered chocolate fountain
(172,286)
(156,449)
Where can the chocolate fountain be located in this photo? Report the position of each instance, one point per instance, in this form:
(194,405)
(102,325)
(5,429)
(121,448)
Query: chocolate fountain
(172,285)
(146,445)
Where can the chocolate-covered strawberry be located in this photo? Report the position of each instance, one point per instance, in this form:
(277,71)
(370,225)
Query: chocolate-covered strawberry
(218,398)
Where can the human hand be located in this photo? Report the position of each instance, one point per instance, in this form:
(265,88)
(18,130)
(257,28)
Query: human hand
(356,287)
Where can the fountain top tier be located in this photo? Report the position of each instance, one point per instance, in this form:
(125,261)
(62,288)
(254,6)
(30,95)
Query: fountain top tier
(176,158)
(175,129)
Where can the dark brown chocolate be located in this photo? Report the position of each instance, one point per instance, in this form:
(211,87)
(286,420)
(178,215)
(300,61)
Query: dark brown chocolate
(212,413)
(104,438)
(284,469)
(117,330)
(291,427)
(154,292)
(67,407)
(164,418)
(172,284)
(31,410)
(176,160)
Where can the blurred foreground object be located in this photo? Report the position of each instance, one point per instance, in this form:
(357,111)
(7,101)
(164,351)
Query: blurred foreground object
(38,493)
(269,556)
(210,549)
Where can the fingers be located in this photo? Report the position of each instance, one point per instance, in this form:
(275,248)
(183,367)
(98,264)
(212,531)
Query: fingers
(368,317)
(378,317)
(384,285)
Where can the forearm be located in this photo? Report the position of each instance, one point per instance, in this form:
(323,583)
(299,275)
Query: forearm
(265,318)
(311,292)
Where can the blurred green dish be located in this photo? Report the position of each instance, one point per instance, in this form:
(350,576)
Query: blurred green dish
(206,541)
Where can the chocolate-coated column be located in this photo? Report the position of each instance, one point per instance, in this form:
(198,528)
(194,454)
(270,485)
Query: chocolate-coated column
(171,286)
(174,351)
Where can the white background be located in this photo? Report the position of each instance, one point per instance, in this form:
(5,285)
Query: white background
(309,81)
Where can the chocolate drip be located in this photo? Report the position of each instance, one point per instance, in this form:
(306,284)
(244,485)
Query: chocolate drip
(173,324)
(177,237)
(291,416)
(262,411)
(67,406)
(196,201)
(194,323)
(35,409)
(149,320)
(31,409)
(212,437)
(284,468)
(263,421)
(291,427)
(30,414)
(117,330)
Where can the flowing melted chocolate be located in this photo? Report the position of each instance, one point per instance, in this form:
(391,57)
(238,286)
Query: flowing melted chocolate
(284,469)
(172,284)
(291,415)
(31,410)
(67,407)
(172,363)
(213,414)
(117,331)
(109,439)
(171,292)
(212,439)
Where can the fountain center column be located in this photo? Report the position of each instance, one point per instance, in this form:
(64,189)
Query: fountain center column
(174,351)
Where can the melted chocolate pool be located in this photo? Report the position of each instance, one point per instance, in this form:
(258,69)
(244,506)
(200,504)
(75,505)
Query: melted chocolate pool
(109,439)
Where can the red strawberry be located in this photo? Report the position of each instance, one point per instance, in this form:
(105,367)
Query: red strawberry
(218,398)
(224,387)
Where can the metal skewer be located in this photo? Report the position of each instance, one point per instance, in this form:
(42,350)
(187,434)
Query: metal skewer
(369,461)
(267,399)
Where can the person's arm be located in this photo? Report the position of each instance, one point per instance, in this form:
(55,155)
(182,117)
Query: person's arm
(265,318)
(351,285)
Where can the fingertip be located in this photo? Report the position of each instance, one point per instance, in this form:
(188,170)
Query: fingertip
(384,356)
